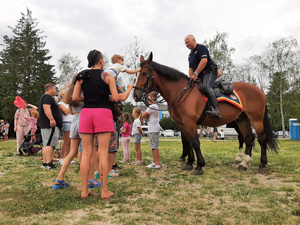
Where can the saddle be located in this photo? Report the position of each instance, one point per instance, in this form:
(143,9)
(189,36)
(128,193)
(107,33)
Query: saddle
(219,87)
(224,92)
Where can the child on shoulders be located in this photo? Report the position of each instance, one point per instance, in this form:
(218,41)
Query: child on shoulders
(118,66)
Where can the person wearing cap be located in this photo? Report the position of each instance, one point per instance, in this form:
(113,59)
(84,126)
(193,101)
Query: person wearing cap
(21,125)
(201,66)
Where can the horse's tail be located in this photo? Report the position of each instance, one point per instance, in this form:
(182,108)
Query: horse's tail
(271,140)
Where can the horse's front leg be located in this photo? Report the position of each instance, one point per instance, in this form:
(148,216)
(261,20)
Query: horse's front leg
(200,160)
(187,151)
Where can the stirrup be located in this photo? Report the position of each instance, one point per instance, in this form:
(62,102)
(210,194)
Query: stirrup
(214,113)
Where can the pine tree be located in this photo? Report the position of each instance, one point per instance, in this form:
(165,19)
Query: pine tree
(25,67)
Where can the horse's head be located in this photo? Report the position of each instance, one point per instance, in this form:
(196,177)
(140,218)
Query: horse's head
(144,82)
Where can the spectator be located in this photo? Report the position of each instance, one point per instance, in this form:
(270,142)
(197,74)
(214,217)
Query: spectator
(6,130)
(137,133)
(66,125)
(152,114)
(21,125)
(95,118)
(126,131)
(215,133)
(222,134)
(50,123)
(32,126)
(75,108)
(2,128)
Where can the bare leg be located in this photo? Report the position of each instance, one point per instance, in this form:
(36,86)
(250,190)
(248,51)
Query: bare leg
(103,145)
(74,150)
(87,145)
(155,153)
(65,148)
(138,151)
(47,154)
(93,164)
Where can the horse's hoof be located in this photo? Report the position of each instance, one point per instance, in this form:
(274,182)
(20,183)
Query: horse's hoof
(197,172)
(187,167)
(238,159)
(242,167)
(248,159)
(262,170)
(182,160)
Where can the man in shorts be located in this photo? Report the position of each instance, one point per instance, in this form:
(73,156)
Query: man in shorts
(50,123)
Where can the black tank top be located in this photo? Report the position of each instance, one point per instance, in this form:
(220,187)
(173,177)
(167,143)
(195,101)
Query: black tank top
(95,90)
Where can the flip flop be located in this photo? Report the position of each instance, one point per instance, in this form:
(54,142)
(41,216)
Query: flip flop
(93,185)
(105,199)
(62,184)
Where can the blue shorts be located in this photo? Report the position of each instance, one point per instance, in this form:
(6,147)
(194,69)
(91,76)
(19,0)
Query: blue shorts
(80,147)
(137,138)
(66,126)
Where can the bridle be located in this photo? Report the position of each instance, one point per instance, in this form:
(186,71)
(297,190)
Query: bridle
(150,76)
(145,99)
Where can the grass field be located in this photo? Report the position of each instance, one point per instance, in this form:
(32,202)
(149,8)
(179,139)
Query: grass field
(223,195)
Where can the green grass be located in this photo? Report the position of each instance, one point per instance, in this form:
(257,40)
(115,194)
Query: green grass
(223,195)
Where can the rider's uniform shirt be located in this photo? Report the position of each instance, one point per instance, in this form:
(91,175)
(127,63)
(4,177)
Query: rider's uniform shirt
(195,57)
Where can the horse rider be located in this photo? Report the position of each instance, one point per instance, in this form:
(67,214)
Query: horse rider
(201,66)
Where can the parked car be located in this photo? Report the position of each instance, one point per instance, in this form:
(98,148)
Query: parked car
(169,133)
(177,133)
(145,130)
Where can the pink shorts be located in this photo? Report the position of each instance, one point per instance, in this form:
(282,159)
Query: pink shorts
(96,120)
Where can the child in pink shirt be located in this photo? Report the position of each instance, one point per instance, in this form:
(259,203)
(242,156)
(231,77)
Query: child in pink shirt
(126,131)
(32,125)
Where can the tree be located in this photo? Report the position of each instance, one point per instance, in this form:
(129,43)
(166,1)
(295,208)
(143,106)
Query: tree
(221,53)
(279,62)
(68,66)
(168,123)
(25,67)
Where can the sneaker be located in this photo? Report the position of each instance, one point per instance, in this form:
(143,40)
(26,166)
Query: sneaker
(51,166)
(61,161)
(113,173)
(154,166)
(72,162)
(97,175)
(137,163)
(116,167)
(44,166)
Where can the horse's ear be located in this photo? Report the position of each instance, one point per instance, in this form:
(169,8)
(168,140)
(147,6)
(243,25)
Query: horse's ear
(142,58)
(149,60)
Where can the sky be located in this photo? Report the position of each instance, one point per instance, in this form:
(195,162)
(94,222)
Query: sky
(77,26)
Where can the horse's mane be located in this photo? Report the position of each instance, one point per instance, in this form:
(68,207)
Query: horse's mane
(166,71)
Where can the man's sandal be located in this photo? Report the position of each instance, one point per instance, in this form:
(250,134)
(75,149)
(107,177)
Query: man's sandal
(62,184)
(93,185)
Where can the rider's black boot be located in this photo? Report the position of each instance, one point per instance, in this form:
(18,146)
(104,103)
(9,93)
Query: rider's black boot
(215,111)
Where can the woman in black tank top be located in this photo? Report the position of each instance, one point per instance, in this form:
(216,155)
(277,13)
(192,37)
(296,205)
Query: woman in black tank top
(95,118)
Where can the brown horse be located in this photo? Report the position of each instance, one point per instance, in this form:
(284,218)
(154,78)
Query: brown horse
(187,106)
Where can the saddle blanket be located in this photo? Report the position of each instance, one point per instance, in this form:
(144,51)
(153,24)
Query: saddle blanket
(233,99)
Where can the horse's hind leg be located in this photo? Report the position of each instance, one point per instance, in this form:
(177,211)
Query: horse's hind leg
(248,136)
(239,157)
(263,158)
